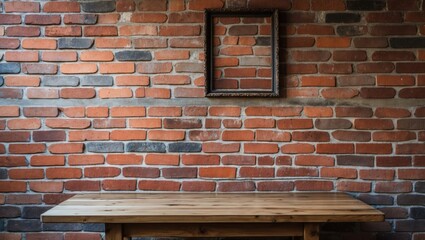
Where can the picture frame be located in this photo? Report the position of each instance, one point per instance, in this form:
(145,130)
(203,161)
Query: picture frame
(231,68)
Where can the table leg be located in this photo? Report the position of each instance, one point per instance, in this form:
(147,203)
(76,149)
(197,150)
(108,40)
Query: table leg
(113,231)
(311,231)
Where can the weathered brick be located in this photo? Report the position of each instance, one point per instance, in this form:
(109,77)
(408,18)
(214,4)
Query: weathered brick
(58,81)
(81,19)
(412,92)
(10,68)
(236,186)
(407,42)
(146,147)
(184,147)
(105,147)
(24,226)
(125,6)
(159,185)
(10,19)
(75,43)
(377,92)
(133,56)
(97,81)
(98,7)
(11,93)
(342,17)
(42,19)
(9,43)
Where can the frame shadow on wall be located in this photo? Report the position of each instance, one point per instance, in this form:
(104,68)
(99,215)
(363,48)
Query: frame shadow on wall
(242,53)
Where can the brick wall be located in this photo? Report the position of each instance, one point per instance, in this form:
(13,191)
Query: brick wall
(108,96)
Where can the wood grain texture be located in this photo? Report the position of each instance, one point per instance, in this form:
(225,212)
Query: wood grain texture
(212,208)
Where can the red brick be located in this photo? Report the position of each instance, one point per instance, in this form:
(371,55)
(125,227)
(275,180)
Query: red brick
(128,111)
(101,172)
(236,51)
(272,136)
(82,236)
(386,30)
(123,135)
(198,186)
(181,92)
(311,136)
(164,111)
(377,174)
(203,4)
(145,123)
(411,148)
(351,186)
(67,123)
(382,67)
(326,5)
(333,42)
(418,92)
(82,185)
(367,148)
(17,6)
(166,135)
(411,174)
(27,148)
(158,185)
(16,124)
(350,136)
(88,135)
(21,56)
(315,29)
(259,123)
(13,186)
(195,111)
(96,56)
(393,187)
(26,173)
(162,159)
(108,18)
(46,187)
(63,31)
(132,80)
(66,148)
(10,19)
(217,172)
(113,43)
(119,185)
(227,111)
(9,111)
(115,93)
(138,31)
(302,185)
(9,43)
(78,68)
(125,6)
(318,111)
(63,173)
(393,161)
(176,5)
(236,186)
(318,81)
(18,31)
(186,43)
(335,148)
(80,19)
(297,148)
(261,148)
(111,68)
(300,68)
(50,236)
(158,93)
(179,30)
(141,172)
(59,56)
(42,160)
(61,7)
(389,80)
(74,112)
(100,31)
(420,112)
(397,136)
(238,135)
(148,18)
(349,55)
(212,147)
(42,19)
(86,159)
(255,172)
(313,160)
(14,136)
(297,172)
(39,43)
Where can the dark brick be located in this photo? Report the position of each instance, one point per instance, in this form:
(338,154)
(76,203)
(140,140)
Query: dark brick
(418,92)
(11,93)
(177,123)
(94,227)
(381,93)
(332,124)
(393,236)
(9,212)
(105,147)
(141,172)
(351,30)
(49,136)
(13,136)
(240,30)
(1,81)
(23,226)
(365,5)
(353,112)
(342,17)
(376,199)
(98,7)
(3,173)
(146,147)
(33,211)
(39,68)
(62,227)
(42,19)
(417,212)
(179,172)
(413,42)
(420,187)
(411,124)
(410,226)
(97,81)
(133,56)
(355,160)
(10,68)
(184,147)
(61,81)
(411,199)
(395,212)
(263,41)
(75,43)
(86,19)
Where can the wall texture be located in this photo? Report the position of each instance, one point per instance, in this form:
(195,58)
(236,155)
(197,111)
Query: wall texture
(108,96)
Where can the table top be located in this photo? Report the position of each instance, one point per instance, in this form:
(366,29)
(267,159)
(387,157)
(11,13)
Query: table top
(212,207)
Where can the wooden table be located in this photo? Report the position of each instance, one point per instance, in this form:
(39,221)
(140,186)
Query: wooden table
(212,214)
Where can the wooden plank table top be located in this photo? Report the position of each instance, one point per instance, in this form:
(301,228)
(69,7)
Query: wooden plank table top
(212,208)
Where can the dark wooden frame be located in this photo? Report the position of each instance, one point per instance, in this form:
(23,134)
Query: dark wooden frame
(210,91)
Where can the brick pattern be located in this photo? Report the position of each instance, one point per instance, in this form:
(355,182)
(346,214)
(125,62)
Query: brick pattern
(90,97)
(242,53)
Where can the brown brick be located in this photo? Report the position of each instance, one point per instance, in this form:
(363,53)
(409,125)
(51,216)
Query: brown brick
(18,31)
(63,31)
(39,43)
(42,19)
(327,5)
(339,93)
(100,31)
(297,148)
(17,6)
(370,42)
(61,7)
(377,93)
